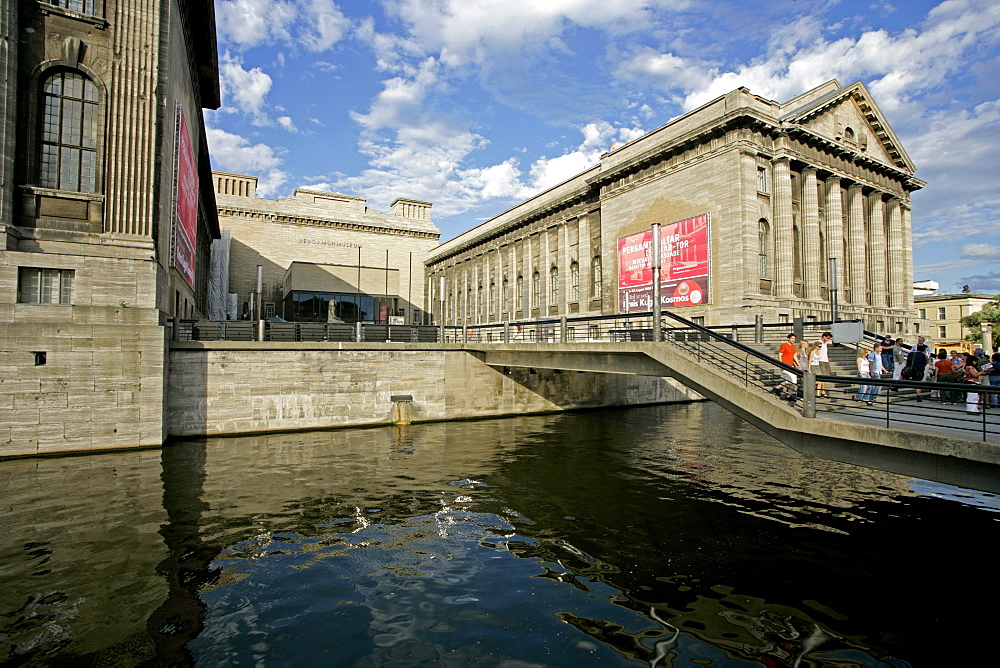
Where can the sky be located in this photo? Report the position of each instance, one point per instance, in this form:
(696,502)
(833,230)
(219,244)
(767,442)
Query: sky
(476,105)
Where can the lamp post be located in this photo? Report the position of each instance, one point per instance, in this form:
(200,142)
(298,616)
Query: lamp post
(657,288)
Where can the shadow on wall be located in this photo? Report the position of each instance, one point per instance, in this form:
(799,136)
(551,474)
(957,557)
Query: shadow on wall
(243,261)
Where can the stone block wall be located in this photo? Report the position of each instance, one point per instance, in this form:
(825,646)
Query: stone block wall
(231,388)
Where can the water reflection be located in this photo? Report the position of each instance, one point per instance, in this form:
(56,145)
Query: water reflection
(664,536)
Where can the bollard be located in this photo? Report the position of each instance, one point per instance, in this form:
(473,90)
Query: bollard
(808,394)
(563,332)
(357,331)
(758,329)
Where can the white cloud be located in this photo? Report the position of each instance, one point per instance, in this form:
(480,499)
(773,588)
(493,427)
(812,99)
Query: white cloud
(598,138)
(980,252)
(898,67)
(247,89)
(235,153)
(287,123)
(316,25)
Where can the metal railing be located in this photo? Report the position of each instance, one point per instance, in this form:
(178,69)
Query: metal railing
(917,405)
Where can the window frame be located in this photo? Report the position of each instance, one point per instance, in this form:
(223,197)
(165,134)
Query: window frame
(77,117)
(36,283)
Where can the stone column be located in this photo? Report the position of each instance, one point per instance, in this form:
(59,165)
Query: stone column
(907,273)
(585,252)
(565,260)
(896,264)
(526,273)
(750,215)
(857,281)
(812,262)
(834,213)
(783,245)
(876,249)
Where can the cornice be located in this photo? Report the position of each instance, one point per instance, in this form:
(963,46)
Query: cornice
(305,221)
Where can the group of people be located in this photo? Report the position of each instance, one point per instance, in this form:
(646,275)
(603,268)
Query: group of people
(921,364)
(891,358)
(813,357)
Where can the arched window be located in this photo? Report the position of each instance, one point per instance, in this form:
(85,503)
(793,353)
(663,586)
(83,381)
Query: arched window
(763,247)
(536,288)
(554,286)
(520,292)
(849,134)
(597,279)
(505,295)
(69,135)
(493,297)
(574,282)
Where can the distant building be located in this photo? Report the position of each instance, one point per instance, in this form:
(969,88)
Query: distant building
(759,202)
(106,213)
(325,256)
(941,315)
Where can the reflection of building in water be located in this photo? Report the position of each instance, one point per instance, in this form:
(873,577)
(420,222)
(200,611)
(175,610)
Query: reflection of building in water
(762,194)
(325,256)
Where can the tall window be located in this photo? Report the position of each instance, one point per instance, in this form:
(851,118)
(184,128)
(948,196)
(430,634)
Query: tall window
(493,297)
(69,133)
(505,295)
(942,331)
(44,286)
(763,239)
(536,288)
(554,286)
(762,179)
(574,282)
(942,313)
(597,279)
(520,292)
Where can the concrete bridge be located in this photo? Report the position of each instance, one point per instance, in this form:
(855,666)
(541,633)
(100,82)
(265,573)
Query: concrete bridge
(898,434)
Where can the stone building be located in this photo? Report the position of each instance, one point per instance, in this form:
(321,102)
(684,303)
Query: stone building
(318,249)
(106,213)
(941,317)
(760,198)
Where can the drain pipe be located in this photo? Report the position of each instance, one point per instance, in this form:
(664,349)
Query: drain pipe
(401,413)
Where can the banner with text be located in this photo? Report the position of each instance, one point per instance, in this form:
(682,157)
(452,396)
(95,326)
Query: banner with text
(185,203)
(685,263)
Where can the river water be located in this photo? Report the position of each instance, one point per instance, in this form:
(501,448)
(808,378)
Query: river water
(663,536)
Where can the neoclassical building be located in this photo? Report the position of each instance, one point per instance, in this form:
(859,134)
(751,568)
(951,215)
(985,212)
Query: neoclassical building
(758,202)
(324,255)
(107,213)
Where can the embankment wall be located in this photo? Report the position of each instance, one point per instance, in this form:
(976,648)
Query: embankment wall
(233,388)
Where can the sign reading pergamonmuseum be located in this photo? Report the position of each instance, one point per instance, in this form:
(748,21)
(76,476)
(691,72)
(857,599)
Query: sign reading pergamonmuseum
(185,202)
(685,261)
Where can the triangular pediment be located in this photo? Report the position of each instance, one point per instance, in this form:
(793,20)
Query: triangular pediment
(848,116)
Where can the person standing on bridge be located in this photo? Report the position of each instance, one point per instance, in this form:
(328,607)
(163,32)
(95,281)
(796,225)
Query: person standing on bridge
(875,370)
(916,365)
(899,359)
(789,355)
(864,371)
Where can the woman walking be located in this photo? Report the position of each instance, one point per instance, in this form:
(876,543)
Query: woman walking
(972,374)
(813,355)
(864,371)
(945,374)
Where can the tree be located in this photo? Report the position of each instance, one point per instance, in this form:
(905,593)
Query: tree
(989,313)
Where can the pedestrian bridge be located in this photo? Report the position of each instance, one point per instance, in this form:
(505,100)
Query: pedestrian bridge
(901,432)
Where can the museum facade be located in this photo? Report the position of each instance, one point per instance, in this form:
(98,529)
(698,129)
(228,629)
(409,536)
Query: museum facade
(765,208)
(322,256)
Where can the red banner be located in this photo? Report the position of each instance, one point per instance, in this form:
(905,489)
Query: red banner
(186,205)
(685,259)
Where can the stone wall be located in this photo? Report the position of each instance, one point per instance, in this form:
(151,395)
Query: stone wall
(233,388)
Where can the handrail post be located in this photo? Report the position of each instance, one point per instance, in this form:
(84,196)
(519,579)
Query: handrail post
(357,331)
(808,394)
(506,331)
(563,333)
(758,329)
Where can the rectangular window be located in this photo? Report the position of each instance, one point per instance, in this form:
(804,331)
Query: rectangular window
(82,6)
(268,310)
(762,179)
(943,332)
(44,286)
(942,313)
(923,314)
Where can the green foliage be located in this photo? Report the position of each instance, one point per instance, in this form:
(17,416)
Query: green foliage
(989,313)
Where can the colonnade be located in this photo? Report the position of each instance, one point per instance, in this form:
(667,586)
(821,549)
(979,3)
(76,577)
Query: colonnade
(518,279)
(864,230)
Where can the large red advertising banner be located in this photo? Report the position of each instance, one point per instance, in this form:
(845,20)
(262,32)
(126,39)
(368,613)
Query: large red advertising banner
(685,266)
(186,203)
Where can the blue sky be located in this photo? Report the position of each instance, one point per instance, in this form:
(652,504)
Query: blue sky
(475,105)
